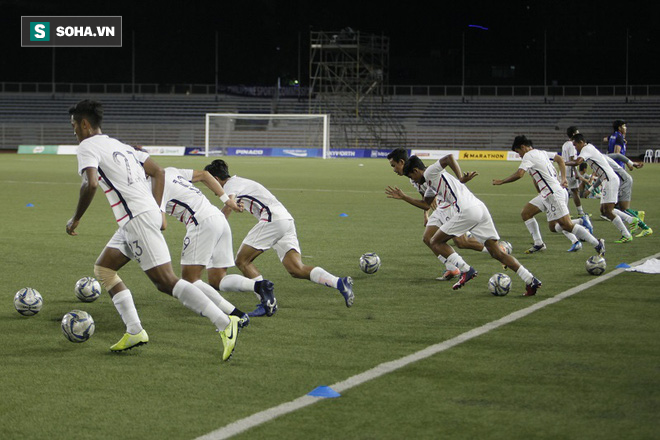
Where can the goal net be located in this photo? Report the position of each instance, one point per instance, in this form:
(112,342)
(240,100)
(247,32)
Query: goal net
(290,132)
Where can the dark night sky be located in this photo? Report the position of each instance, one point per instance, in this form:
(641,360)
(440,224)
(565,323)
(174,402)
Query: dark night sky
(261,40)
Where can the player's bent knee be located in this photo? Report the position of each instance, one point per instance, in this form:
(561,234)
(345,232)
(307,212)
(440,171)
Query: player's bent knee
(107,277)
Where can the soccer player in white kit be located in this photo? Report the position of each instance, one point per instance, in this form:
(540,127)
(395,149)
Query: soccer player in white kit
(275,229)
(609,183)
(552,197)
(208,241)
(440,213)
(568,153)
(121,172)
(470,214)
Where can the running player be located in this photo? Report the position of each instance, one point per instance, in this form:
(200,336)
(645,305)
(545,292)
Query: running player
(441,213)
(609,183)
(470,214)
(275,229)
(120,171)
(568,153)
(552,197)
(208,241)
(625,191)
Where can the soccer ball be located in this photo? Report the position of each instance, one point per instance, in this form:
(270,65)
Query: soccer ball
(596,265)
(499,284)
(87,289)
(506,246)
(369,262)
(28,301)
(77,326)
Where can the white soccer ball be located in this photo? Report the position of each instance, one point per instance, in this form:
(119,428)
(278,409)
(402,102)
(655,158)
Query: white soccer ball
(28,301)
(78,326)
(369,262)
(596,265)
(506,246)
(499,284)
(87,289)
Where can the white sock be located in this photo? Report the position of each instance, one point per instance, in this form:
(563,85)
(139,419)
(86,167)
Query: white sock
(583,234)
(625,217)
(458,261)
(618,223)
(533,228)
(572,238)
(124,304)
(195,300)
(580,210)
(215,297)
(321,276)
(236,283)
(524,274)
(450,267)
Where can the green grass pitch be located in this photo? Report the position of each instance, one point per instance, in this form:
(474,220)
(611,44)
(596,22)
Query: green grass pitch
(586,367)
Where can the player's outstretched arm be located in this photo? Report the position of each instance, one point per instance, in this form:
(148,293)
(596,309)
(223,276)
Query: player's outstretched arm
(512,178)
(562,170)
(211,183)
(396,193)
(157,174)
(90,182)
(226,210)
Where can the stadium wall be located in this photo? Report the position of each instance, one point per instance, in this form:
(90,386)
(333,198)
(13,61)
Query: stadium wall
(487,123)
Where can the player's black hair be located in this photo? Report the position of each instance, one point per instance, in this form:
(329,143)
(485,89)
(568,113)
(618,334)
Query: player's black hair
(412,163)
(90,110)
(398,154)
(571,131)
(583,166)
(219,169)
(521,140)
(617,123)
(579,138)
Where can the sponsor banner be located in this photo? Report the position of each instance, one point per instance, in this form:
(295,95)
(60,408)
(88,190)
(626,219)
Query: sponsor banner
(434,154)
(164,150)
(67,149)
(37,149)
(483,155)
(297,152)
(512,155)
(249,151)
(194,151)
(62,31)
(380,154)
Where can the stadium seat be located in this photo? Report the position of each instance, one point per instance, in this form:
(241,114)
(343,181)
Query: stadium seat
(648,156)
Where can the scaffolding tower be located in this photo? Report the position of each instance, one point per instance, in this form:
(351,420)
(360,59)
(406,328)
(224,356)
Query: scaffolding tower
(348,80)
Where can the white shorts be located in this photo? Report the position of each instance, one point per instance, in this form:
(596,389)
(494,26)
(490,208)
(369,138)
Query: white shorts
(440,216)
(573,183)
(141,240)
(625,189)
(476,220)
(208,244)
(279,234)
(554,205)
(609,191)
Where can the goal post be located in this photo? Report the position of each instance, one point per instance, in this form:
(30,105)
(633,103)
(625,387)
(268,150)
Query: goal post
(257,130)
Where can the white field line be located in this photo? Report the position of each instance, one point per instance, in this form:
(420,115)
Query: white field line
(269,414)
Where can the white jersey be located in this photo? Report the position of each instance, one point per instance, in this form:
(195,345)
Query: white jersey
(447,189)
(421,188)
(598,163)
(257,199)
(121,175)
(183,200)
(567,151)
(538,165)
